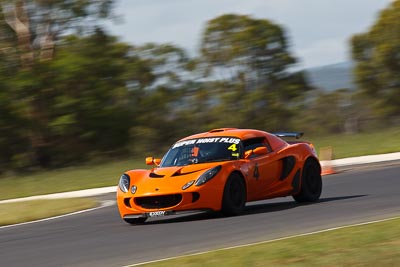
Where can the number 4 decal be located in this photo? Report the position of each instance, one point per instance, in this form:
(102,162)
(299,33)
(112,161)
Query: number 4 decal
(256,174)
(232,147)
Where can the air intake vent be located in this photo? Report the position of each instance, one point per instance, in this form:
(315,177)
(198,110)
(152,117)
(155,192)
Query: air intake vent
(158,202)
(155,175)
(221,130)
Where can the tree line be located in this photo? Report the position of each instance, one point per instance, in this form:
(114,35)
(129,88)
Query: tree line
(71,92)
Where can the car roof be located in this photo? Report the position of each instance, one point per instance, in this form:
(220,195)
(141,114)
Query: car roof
(275,142)
(229,132)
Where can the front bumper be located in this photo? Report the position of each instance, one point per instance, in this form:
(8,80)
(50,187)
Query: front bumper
(168,203)
(155,214)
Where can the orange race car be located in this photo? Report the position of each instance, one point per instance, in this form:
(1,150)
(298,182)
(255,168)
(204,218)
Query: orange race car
(221,170)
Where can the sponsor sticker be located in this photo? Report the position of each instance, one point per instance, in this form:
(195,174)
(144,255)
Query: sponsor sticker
(157,213)
(227,140)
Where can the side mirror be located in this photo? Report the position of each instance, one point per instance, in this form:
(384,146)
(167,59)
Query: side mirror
(248,153)
(152,161)
(262,150)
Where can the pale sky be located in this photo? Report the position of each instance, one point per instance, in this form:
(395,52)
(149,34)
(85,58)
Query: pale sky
(318,30)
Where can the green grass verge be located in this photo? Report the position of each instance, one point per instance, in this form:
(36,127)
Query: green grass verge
(344,146)
(12,213)
(67,179)
(107,174)
(376,244)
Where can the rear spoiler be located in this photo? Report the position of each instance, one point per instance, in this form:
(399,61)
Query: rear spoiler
(289,134)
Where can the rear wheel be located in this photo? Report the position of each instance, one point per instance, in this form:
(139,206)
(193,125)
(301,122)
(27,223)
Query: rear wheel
(234,198)
(135,220)
(311,183)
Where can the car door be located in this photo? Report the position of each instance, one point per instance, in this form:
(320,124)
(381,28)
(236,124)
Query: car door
(263,169)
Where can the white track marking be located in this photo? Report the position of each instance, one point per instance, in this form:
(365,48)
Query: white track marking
(263,242)
(72,194)
(103,204)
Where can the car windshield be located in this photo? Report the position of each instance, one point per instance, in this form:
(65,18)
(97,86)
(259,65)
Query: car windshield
(202,150)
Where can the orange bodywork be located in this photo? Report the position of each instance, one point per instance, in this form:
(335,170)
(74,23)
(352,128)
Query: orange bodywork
(273,169)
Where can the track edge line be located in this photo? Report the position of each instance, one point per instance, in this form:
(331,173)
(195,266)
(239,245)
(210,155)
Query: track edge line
(265,242)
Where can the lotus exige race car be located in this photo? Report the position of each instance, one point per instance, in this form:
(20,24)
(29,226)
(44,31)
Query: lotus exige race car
(220,170)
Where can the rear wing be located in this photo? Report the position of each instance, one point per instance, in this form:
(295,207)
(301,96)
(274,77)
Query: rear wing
(296,135)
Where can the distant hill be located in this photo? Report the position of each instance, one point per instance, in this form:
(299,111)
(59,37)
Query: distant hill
(332,77)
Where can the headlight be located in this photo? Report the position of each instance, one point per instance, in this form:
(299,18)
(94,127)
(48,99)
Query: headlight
(124,182)
(208,175)
(133,189)
(187,185)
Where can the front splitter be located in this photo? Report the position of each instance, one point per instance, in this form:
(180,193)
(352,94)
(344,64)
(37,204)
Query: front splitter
(165,213)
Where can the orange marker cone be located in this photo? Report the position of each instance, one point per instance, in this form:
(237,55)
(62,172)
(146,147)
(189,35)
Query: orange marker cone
(326,157)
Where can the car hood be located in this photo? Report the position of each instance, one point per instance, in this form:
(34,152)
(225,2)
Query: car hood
(166,180)
(169,174)
(178,171)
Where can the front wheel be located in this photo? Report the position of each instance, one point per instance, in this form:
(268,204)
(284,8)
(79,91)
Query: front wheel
(234,198)
(135,220)
(311,183)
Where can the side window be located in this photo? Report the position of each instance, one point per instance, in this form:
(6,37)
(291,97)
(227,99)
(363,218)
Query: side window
(253,143)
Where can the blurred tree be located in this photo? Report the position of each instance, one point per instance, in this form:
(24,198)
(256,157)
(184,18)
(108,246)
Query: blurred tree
(158,103)
(251,59)
(71,91)
(13,141)
(89,106)
(377,56)
(197,110)
(237,44)
(38,24)
(339,111)
(169,63)
(30,31)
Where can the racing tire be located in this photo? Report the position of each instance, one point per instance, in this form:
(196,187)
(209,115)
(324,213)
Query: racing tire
(234,197)
(311,183)
(135,220)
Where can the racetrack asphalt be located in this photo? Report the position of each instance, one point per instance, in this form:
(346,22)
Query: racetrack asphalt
(337,165)
(101,238)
